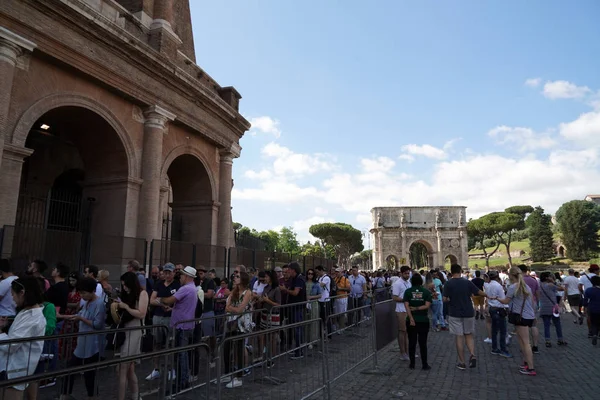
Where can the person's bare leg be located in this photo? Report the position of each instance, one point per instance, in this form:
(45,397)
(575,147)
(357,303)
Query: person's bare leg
(123,369)
(32,390)
(523,333)
(535,334)
(460,348)
(470,344)
(133,381)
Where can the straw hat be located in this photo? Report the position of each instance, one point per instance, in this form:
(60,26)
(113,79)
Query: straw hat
(114,311)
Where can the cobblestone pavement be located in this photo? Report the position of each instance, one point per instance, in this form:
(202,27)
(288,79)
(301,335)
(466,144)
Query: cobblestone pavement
(561,372)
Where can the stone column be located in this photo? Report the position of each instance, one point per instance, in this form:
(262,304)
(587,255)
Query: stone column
(12,47)
(162,36)
(225,186)
(149,204)
(10,180)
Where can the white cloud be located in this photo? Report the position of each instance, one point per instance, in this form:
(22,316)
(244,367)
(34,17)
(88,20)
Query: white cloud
(533,82)
(321,211)
(266,125)
(564,90)
(260,175)
(276,191)
(425,150)
(289,163)
(406,157)
(525,139)
(585,130)
(301,227)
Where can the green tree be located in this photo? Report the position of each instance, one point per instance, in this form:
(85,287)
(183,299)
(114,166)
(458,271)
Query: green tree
(508,223)
(344,238)
(539,227)
(578,222)
(288,241)
(316,249)
(483,229)
(362,259)
(271,239)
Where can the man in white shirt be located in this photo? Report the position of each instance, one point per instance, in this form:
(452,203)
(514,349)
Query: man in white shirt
(8,308)
(573,295)
(498,313)
(325,308)
(398,289)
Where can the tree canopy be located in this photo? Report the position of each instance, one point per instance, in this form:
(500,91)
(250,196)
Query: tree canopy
(578,222)
(344,238)
(539,226)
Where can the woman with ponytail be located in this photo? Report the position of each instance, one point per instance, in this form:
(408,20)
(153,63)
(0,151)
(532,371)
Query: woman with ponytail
(521,315)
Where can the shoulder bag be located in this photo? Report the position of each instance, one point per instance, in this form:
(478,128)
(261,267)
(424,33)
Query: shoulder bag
(516,318)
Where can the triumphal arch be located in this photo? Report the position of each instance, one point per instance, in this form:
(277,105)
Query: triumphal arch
(422,237)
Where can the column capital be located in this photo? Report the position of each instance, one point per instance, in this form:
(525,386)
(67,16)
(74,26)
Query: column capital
(157,117)
(16,153)
(13,46)
(227,154)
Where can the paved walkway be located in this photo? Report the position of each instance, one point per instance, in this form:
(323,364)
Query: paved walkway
(561,372)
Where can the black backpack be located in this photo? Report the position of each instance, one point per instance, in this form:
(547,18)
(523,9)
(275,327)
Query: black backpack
(332,287)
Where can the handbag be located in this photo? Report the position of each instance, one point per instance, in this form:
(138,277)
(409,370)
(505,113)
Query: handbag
(516,318)
(555,307)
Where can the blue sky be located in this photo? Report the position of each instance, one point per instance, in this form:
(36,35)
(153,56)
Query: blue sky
(360,104)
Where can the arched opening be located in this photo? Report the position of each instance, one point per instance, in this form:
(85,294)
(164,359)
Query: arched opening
(73,185)
(449,260)
(561,252)
(391,262)
(421,255)
(191,209)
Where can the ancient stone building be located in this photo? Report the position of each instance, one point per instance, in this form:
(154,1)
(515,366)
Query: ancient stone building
(440,232)
(108,125)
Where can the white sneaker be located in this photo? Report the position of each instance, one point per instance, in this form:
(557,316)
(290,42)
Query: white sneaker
(155,374)
(172,375)
(193,378)
(508,337)
(236,382)
(487,340)
(225,379)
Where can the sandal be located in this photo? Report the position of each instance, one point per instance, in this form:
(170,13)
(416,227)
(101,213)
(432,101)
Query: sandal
(548,344)
(561,343)
(472,362)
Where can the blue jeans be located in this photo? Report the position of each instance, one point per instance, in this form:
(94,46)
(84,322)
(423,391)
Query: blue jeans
(437,313)
(297,316)
(498,327)
(556,320)
(183,364)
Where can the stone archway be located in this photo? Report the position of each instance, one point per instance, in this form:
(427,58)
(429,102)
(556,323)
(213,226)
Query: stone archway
(449,260)
(193,208)
(561,251)
(391,262)
(74,187)
(420,254)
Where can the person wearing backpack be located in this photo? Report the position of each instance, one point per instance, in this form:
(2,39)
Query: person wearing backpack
(378,286)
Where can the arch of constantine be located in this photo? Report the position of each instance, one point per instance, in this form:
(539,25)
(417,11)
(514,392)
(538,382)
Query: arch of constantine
(401,234)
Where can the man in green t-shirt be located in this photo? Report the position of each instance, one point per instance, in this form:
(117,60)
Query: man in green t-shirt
(417,301)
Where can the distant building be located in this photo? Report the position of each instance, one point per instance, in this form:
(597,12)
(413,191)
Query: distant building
(593,197)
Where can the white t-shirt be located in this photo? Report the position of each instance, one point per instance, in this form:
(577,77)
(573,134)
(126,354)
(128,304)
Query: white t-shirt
(8,308)
(398,289)
(586,281)
(259,288)
(494,289)
(325,294)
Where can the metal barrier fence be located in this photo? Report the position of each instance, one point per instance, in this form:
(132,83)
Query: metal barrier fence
(211,360)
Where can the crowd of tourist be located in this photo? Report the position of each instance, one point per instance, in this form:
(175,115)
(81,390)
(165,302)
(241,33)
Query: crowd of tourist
(197,305)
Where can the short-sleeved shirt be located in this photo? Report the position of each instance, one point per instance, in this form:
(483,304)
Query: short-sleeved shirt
(437,283)
(208,284)
(163,290)
(572,284)
(417,296)
(495,290)
(185,307)
(398,289)
(478,282)
(547,298)
(88,345)
(356,285)
(326,281)
(519,304)
(586,280)
(8,308)
(534,286)
(58,294)
(459,291)
(141,279)
(591,300)
(297,282)
(274,294)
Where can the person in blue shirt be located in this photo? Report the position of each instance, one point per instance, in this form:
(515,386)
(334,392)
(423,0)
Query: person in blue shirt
(91,318)
(591,302)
